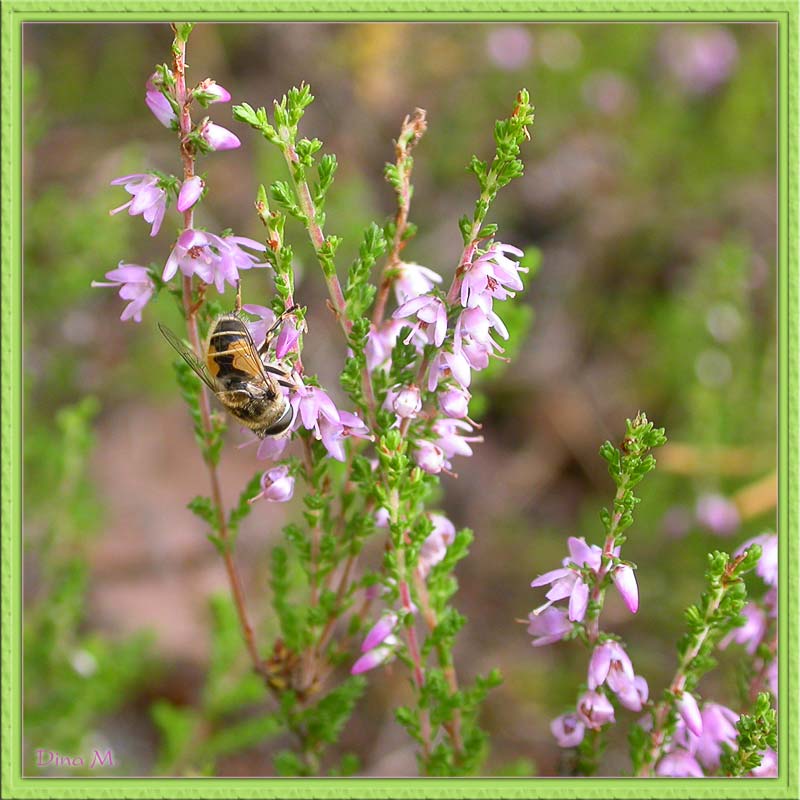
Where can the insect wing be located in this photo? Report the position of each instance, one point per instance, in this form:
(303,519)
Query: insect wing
(189,357)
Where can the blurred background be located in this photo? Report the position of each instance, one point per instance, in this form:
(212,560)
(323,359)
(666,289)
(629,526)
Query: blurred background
(650,190)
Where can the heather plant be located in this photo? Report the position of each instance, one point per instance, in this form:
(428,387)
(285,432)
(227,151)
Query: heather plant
(675,737)
(369,471)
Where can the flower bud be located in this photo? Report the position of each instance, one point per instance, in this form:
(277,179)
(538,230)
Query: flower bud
(212,92)
(374,658)
(429,457)
(454,403)
(161,108)
(190,193)
(219,138)
(408,403)
(690,713)
(625,581)
(379,631)
(568,730)
(287,339)
(277,485)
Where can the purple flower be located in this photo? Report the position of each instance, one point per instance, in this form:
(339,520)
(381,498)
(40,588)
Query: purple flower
(374,658)
(135,285)
(209,91)
(149,199)
(701,61)
(690,713)
(751,634)
(271,447)
(379,631)
(509,47)
(313,404)
(568,581)
(258,330)
(434,548)
(450,440)
(768,768)
(454,403)
(679,764)
(193,255)
(430,311)
(718,514)
(380,342)
(492,275)
(550,626)
(595,710)
(446,365)
(414,280)
(158,103)
(625,581)
(429,457)
(767,567)
(333,434)
(407,403)
(719,727)
(277,485)
(568,730)
(190,193)
(219,138)
(287,339)
(611,665)
(232,258)
(472,336)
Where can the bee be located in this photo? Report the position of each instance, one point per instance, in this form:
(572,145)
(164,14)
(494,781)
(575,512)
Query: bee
(236,371)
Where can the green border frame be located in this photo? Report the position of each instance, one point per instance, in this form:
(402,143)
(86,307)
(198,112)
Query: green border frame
(15,12)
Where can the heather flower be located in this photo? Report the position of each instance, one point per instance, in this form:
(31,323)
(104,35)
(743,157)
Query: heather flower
(768,768)
(271,447)
(232,258)
(313,404)
(509,47)
(149,199)
(568,581)
(379,631)
(375,657)
(611,665)
(548,627)
(625,580)
(161,107)
(414,280)
(679,764)
(454,403)
(209,91)
(430,311)
(446,365)
(451,441)
(719,728)
(690,712)
(700,61)
(429,457)
(219,138)
(333,433)
(193,255)
(492,275)
(434,548)
(287,339)
(277,486)
(718,514)
(767,567)
(134,284)
(751,633)
(595,710)
(380,342)
(190,193)
(568,730)
(407,403)
(258,329)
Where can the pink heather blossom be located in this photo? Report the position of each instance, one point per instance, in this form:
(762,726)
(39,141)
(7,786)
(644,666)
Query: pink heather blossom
(625,581)
(432,316)
(446,365)
(160,106)
(454,403)
(232,258)
(379,631)
(451,438)
(271,448)
(718,514)
(429,457)
(690,712)
(492,275)
(611,665)
(407,403)
(700,60)
(568,582)
(434,548)
(210,91)
(414,280)
(258,329)
(277,486)
(193,255)
(751,634)
(149,199)
(679,764)
(134,284)
(219,138)
(333,433)
(548,627)
(767,567)
(190,193)
(287,339)
(595,710)
(568,730)
(719,727)
(380,342)
(375,657)
(382,518)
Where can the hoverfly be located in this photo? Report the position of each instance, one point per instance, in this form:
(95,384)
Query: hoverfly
(236,371)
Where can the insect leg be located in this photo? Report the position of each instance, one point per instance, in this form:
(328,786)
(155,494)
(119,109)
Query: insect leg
(270,335)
